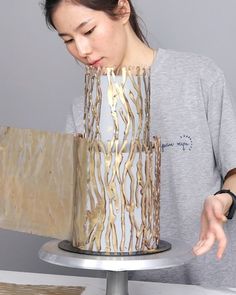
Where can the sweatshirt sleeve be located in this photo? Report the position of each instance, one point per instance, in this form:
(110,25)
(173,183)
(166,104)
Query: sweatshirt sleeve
(221,116)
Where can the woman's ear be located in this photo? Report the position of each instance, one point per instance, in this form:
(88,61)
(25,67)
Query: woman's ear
(123,10)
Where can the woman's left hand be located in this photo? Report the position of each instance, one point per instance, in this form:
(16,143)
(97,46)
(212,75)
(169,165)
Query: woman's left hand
(212,220)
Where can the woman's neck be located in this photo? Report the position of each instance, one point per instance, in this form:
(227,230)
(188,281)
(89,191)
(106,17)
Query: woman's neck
(137,52)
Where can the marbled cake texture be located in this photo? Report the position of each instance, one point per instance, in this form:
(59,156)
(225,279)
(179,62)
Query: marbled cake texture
(37,182)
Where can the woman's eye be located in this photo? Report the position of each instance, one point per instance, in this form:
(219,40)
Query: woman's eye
(89,32)
(68,41)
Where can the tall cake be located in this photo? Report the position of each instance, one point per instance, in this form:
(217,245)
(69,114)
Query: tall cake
(118,171)
(99,191)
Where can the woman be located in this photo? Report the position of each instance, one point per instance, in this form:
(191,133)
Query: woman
(192,112)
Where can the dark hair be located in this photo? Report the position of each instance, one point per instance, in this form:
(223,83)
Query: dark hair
(108,6)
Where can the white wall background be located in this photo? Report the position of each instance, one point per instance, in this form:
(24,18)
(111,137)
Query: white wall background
(38,79)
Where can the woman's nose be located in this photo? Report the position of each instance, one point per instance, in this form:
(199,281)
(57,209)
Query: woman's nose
(83,47)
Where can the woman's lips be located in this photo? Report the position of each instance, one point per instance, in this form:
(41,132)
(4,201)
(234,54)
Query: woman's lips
(96,63)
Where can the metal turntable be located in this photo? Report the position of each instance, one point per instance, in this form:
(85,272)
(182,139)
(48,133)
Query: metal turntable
(117,267)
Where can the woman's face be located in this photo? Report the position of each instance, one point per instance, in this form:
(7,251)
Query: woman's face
(91,36)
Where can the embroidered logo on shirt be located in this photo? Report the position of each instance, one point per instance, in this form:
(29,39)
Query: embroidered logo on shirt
(184,143)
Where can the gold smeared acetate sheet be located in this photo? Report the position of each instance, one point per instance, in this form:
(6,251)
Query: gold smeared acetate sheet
(37,181)
(9,289)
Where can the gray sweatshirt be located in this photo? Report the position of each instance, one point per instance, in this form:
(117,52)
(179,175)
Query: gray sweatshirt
(192,111)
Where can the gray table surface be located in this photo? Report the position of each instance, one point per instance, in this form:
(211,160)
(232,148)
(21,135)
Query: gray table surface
(96,286)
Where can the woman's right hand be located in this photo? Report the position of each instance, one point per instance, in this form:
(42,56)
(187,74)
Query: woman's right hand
(212,224)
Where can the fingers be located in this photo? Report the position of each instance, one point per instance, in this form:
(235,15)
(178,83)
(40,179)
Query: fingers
(204,227)
(198,246)
(197,249)
(218,218)
(212,220)
(222,242)
(205,245)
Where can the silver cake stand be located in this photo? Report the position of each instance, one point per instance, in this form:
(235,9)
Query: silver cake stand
(117,267)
